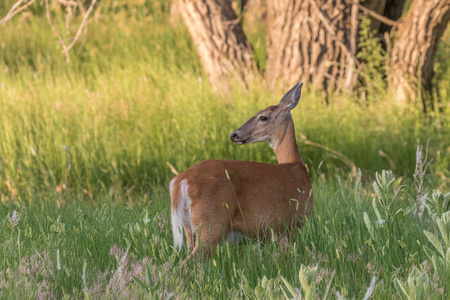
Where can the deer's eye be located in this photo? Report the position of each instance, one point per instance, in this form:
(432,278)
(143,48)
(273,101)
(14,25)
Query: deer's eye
(263,118)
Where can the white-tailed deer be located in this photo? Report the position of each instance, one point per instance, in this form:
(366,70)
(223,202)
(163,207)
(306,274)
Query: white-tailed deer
(216,197)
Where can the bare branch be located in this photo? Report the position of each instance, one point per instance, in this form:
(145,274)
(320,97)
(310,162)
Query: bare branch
(376,16)
(55,31)
(68,3)
(69,9)
(81,7)
(12,12)
(66,48)
(83,24)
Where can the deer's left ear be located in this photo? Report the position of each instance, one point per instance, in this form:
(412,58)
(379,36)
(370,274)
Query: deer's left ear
(291,98)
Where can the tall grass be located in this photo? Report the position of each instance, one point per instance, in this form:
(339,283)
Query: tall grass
(83,152)
(134,98)
(45,251)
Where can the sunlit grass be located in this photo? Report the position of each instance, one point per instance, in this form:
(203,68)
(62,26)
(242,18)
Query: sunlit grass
(134,98)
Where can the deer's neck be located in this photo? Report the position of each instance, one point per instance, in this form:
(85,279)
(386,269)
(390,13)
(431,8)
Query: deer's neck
(285,146)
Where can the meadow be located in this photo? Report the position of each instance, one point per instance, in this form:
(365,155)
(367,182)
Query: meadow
(85,150)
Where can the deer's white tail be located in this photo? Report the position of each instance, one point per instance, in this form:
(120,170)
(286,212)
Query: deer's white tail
(178,211)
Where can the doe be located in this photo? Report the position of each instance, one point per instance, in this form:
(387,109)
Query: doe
(216,198)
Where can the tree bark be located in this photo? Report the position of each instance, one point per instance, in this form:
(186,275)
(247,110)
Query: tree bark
(415,47)
(312,40)
(219,40)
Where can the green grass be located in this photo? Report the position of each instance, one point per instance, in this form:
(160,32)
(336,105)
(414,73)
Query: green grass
(336,238)
(133,98)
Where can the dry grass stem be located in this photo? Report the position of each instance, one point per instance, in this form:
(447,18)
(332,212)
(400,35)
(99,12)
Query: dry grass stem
(336,154)
(422,164)
(16,10)
(172,168)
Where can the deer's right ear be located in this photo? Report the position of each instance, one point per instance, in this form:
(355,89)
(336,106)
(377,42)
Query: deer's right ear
(291,98)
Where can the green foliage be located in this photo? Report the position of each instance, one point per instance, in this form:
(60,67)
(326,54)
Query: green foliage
(416,287)
(307,277)
(372,57)
(389,211)
(265,289)
(438,204)
(150,287)
(441,259)
(386,203)
(83,244)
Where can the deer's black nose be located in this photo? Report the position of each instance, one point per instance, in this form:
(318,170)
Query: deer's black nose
(233,136)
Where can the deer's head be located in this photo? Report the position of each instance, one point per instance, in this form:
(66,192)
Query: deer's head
(269,124)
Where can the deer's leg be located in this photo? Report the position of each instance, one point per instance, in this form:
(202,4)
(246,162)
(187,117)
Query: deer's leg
(204,228)
(213,237)
(208,237)
(193,253)
(190,238)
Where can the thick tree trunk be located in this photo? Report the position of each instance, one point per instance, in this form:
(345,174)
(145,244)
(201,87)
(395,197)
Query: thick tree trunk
(219,40)
(312,40)
(415,47)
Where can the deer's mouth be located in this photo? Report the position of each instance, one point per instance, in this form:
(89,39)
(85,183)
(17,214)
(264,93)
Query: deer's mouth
(241,142)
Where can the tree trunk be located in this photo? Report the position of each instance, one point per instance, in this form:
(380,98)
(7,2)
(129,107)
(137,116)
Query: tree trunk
(415,47)
(312,40)
(219,40)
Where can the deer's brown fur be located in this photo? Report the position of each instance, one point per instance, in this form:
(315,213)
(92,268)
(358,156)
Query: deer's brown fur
(215,197)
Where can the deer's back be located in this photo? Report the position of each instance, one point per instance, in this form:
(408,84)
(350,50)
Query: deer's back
(259,192)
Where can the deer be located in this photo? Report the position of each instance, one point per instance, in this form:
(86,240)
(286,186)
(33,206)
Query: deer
(218,199)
